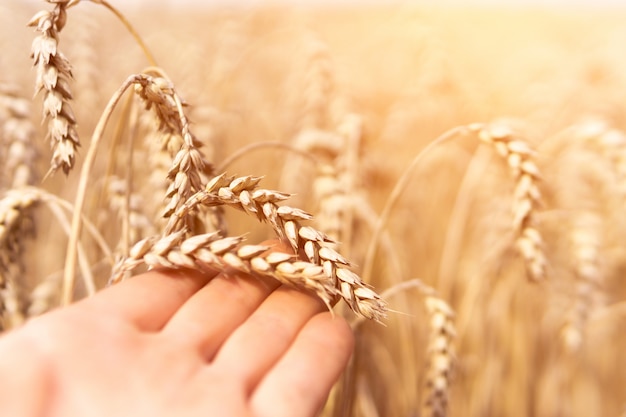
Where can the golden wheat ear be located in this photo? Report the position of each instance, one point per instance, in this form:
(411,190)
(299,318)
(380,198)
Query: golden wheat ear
(18,140)
(314,266)
(54,73)
(519,156)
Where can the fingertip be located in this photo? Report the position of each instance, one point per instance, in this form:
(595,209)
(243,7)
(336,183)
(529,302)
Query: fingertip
(301,381)
(337,331)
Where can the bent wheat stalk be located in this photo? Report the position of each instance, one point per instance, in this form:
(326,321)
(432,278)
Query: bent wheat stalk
(185,172)
(70,257)
(396,193)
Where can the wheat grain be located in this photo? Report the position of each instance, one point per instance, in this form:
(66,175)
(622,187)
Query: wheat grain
(440,352)
(53,75)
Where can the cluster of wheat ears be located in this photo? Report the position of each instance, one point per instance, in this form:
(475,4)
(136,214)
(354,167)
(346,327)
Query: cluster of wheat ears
(482,276)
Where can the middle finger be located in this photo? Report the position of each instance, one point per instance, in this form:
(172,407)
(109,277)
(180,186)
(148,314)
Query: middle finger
(206,320)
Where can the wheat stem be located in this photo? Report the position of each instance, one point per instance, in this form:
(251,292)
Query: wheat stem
(70,259)
(131,29)
(395,195)
(263,145)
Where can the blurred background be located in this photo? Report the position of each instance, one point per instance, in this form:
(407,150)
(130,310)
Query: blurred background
(365,90)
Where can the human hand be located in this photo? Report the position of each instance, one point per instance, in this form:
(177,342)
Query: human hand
(177,343)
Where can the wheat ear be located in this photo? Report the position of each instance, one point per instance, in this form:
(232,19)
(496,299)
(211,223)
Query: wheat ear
(212,252)
(189,166)
(586,239)
(17,139)
(313,246)
(15,211)
(53,75)
(440,352)
(186,170)
(526,197)
(16,220)
(440,356)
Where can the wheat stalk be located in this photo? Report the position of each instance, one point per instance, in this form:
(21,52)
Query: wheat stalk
(130,208)
(184,174)
(398,191)
(15,211)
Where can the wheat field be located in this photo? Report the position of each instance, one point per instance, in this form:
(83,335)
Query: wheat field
(456,177)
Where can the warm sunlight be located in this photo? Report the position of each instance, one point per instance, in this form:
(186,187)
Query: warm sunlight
(449,177)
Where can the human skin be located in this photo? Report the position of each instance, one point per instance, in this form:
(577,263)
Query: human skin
(177,343)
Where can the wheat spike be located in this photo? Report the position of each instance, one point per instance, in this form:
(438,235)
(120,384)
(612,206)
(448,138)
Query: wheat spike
(189,166)
(526,196)
(586,239)
(17,139)
(211,252)
(441,356)
(15,213)
(242,193)
(53,75)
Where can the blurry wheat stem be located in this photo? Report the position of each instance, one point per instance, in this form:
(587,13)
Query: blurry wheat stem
(130,29)
(70,257)
(85,268)
(116,137)
(134,115)
(56,205)
(89,226)
(395,195)
(262,145)
(456,223)
(364,212)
